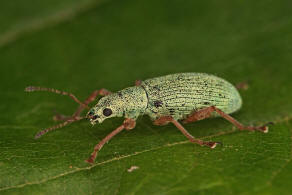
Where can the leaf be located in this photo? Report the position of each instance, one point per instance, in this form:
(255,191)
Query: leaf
(25,18)
(111,45)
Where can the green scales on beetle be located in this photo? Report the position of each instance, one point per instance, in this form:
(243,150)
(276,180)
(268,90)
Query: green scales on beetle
(185,97)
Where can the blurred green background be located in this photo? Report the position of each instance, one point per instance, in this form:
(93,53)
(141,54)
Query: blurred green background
(80,46)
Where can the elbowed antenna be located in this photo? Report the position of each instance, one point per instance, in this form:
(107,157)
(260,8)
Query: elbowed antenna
(76,115)
(35,88)
(68,121)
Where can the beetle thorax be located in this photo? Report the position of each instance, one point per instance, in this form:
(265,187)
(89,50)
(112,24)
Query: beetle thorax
(129,103)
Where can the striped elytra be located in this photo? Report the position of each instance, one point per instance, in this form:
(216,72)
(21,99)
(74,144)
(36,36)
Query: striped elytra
(180,94)
(176,95)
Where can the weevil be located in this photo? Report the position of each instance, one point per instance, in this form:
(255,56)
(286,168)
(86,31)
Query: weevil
(174,98)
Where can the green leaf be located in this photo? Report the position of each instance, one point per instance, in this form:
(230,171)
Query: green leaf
(112,44)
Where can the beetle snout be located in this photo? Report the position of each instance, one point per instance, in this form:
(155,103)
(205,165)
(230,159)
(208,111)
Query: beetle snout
(91,115)
(94,117)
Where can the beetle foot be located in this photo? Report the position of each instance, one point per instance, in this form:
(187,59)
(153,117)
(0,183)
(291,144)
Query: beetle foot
(265,127)
(90,160)
(59,117)
(243,85)
(211,144)
(129,124)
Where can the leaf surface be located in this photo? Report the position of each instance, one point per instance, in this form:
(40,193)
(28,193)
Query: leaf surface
(115,43)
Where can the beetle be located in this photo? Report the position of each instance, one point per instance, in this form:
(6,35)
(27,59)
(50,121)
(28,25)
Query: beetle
(186,97)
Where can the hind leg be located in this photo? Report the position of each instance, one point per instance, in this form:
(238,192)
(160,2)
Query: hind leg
(206,113)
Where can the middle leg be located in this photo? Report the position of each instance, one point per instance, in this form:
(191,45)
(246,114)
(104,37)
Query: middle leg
(168,119)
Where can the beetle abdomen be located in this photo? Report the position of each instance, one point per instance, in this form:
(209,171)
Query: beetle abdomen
(181,94)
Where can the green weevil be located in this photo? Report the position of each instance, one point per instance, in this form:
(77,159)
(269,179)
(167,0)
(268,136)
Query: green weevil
(185,97)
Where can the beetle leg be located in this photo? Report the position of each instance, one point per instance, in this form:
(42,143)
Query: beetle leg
(164,120)
(198,115)
(138,82)
(60,117)
(67,119)
(242,85)
(92,97)
(167,119)
(102,92)
(127,124)
(206,112)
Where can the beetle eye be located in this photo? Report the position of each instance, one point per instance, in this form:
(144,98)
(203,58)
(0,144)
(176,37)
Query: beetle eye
(107,112)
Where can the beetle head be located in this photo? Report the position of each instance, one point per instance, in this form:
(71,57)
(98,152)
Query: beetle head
(107,107)
(129,103)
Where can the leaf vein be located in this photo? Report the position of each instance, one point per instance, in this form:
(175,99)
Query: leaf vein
(109,161)
(48,21)
(284,119)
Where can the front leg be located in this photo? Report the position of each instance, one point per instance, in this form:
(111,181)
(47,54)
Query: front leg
(68,119)
(138,83)
(128,124)
(92,97)
(167,119)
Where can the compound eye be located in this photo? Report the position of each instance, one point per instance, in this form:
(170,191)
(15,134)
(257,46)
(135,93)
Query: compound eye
(107,112)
